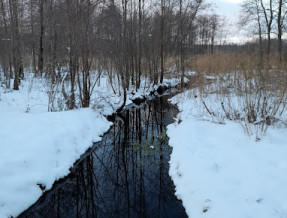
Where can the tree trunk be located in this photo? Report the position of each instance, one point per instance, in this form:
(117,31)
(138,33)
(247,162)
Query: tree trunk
(139,46)
(279,26)
(33,40)
(41,49)
(268,21)
(162,41)
(182,68)
(260,34)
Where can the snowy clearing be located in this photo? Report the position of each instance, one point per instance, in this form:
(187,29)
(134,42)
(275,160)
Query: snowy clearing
(219,171)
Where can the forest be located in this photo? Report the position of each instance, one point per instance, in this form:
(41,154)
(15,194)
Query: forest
(125,39)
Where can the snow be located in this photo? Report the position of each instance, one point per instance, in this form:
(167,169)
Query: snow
(104,99)
(38,147)
(220,171)
(190,73)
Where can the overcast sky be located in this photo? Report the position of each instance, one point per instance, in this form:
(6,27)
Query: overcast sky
(230,9)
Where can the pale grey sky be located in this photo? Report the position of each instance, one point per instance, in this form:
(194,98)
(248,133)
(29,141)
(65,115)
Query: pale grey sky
(230,9)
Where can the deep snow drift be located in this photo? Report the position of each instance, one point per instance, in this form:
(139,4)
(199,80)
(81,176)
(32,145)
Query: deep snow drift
(219,171)
(38,147)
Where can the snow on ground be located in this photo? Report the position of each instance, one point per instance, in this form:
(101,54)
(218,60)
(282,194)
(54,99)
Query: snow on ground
(219,171)
(190,73)
(39,147)
(105,100)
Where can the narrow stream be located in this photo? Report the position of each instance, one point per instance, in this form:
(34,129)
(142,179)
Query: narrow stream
(124,175)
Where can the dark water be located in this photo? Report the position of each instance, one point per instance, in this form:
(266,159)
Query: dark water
(122,176)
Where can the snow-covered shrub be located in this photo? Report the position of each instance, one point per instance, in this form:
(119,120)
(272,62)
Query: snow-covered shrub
(255,97)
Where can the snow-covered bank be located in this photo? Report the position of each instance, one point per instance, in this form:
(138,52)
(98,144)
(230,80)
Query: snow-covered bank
(39,149)
(106,101)
(219,171)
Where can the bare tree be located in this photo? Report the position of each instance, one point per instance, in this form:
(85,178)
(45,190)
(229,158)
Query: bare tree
(251,11)
(268,15)
(280,27)
(41,48)
(5,43)
(139,45)
(31,7)
(162,5)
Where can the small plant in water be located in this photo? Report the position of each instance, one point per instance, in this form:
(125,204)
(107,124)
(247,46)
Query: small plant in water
(146,147)
(162,136)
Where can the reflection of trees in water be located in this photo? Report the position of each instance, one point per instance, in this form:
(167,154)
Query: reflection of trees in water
(123,176)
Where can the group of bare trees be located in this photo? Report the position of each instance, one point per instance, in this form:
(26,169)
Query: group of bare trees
(10,35)
(269,20)
(126,38)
